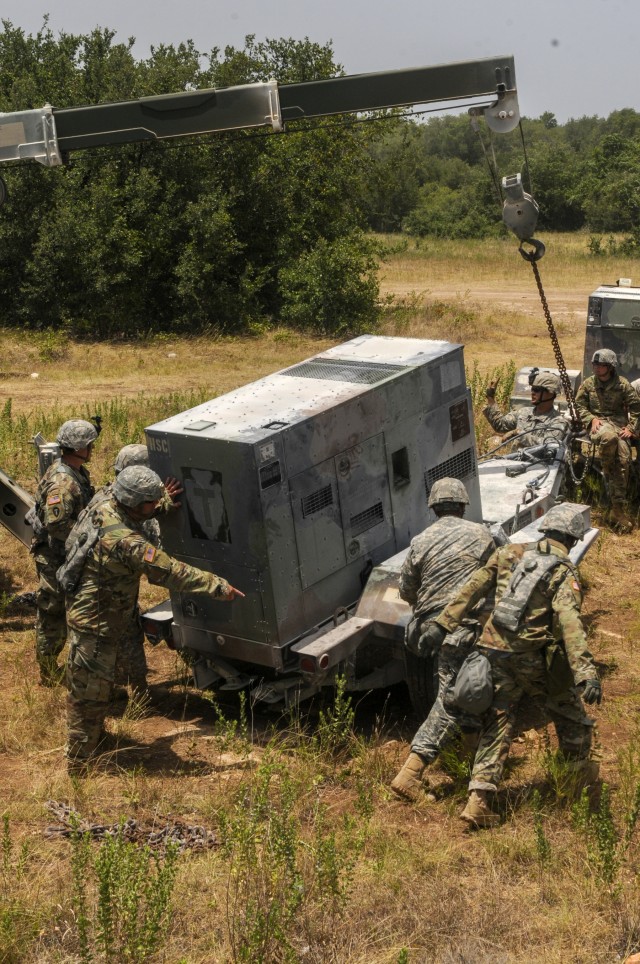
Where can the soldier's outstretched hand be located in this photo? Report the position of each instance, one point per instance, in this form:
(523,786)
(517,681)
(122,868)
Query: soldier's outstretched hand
(173,488)
(490,390)
(232,594)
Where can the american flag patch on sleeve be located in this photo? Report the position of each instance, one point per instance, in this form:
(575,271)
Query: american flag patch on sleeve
(53,500)
(149,554)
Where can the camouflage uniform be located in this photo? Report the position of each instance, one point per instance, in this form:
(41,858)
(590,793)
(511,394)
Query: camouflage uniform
(62,494)
(439,562)
(518,659)
(618,405)
(131,667)
(551,426)
(104,608)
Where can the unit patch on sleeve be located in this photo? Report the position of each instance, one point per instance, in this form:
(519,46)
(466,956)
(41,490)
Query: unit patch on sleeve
(149,553)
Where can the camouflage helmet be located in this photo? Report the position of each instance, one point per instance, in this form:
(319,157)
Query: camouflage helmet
(76,434)
(566,518)
(448,491)
(548,381)
(135,454)
(604,356)
(137,484)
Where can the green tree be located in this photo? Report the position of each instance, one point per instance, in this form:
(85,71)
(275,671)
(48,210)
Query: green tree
(611,185)
(172,235)
(398,165)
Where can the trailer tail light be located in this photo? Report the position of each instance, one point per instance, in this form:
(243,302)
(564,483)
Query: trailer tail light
(314,664)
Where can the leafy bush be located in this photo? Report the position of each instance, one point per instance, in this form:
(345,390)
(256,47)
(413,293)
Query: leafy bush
(332,289)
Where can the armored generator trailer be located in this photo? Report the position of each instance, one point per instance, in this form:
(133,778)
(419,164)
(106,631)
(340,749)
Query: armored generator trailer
(613,321)
(295,488)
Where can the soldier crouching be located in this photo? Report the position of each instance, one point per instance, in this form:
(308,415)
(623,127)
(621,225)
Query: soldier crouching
(538,596)
(103,609)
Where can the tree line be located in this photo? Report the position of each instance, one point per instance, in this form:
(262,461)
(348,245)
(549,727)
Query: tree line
(229,232)
(439,178)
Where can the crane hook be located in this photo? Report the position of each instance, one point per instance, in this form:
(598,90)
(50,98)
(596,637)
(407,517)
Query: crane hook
(537,252)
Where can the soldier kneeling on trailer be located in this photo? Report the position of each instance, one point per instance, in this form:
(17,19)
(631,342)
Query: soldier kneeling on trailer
(538,604)
(103,608)
(543,422)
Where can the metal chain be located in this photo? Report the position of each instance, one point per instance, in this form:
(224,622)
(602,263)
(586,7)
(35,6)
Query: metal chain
(182,835)
(588,463)
(557,351)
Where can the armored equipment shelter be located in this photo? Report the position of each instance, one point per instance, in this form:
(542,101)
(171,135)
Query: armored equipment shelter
(613,321)
(297,485)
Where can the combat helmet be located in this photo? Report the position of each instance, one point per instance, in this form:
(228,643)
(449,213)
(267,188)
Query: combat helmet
(566,518)
(135,454)
(76,434)
(605,356)
(137,484)
(548,381)
(447,492)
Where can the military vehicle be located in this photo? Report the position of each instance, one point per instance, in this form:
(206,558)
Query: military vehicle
(613,321)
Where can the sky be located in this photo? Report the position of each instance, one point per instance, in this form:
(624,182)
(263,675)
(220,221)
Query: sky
(572,58)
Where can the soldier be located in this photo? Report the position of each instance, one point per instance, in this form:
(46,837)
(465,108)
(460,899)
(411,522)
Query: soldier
(539,597)
(104,606)
(610,411)
(131,667)
(543,422)
(439,562)
(64,490)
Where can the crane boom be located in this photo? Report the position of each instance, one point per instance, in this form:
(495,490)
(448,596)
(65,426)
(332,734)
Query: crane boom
(48,134)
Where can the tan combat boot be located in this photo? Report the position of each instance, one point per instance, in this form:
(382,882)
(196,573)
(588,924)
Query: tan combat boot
(619,518)
(477,812)
(408,782)
(584,775)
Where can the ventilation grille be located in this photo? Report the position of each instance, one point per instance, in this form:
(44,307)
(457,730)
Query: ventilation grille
(461,467)
(270,475)
(356,372)
(317,501)
(363,521)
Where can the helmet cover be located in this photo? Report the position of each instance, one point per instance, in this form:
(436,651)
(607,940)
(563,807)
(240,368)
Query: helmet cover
(448,490)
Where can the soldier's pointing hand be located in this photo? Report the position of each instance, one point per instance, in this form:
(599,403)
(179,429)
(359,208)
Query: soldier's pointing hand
(232,594)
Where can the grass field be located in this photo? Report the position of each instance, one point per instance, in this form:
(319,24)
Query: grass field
(311,859)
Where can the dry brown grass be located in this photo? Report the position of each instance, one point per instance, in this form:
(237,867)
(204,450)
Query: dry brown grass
(417,888)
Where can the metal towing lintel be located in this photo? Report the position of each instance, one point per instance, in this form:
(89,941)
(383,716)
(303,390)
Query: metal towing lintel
(340,642)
